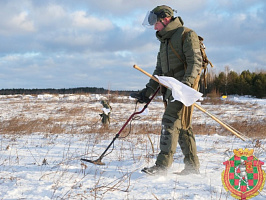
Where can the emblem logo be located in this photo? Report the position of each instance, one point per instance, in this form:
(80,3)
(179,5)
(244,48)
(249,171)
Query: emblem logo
(243,175)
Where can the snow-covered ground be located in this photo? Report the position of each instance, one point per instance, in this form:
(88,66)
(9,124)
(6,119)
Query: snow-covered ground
(42,160)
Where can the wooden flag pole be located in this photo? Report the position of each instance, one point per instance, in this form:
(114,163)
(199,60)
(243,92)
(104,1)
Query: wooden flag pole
(196,105)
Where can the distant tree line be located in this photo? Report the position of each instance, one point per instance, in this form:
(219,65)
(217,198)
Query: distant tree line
(229,83)
(225,83)
(78,90)
(54,91)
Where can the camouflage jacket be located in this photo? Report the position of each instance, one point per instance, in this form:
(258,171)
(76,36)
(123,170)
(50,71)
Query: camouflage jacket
(168,64)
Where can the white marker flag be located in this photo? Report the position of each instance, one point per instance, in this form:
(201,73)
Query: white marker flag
(180,91)
(106,111)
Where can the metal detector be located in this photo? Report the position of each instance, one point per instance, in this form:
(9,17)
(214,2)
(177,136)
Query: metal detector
(99,160)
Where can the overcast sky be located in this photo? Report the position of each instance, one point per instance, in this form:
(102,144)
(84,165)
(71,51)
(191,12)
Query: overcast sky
(95,43)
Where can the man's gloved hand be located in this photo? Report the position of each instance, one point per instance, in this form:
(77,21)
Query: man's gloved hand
(142,96)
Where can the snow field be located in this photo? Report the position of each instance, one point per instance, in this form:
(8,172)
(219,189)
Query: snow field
(44,165)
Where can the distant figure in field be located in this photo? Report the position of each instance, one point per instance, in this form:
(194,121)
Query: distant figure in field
(106,112)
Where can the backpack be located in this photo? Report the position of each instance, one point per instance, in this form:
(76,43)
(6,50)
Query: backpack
(205,60)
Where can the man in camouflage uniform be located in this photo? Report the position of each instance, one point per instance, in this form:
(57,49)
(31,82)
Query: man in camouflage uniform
(185,67)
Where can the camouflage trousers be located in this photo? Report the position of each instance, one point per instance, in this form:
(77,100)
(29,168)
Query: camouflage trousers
(172,133)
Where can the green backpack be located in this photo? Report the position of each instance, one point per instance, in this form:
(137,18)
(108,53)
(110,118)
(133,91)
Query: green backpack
(205,60)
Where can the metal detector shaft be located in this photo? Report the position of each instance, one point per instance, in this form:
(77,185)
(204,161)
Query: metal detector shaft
(98,161)
(135,113)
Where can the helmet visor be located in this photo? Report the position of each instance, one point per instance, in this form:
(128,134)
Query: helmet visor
(150,19)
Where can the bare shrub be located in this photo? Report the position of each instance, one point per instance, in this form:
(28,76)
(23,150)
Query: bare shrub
(214,94)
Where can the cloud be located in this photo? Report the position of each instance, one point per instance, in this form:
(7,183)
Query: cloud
(82,20)
(21,23)
(71,43)
(18,23)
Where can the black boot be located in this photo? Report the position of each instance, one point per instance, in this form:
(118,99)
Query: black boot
(155,170)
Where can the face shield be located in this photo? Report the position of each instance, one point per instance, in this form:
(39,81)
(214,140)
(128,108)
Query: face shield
(150,20)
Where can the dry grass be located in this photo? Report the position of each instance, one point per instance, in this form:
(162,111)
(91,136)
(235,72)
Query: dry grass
(250,130)
(62,117)
(25,126)
(218,101)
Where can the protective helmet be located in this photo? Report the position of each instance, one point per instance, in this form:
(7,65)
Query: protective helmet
(156,14)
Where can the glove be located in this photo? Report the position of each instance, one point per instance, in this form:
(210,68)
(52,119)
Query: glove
(142,96)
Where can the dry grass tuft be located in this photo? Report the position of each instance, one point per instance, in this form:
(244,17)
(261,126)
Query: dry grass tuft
(25,126)
(251,130)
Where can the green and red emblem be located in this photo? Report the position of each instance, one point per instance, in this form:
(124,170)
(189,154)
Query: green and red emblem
(243,175)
